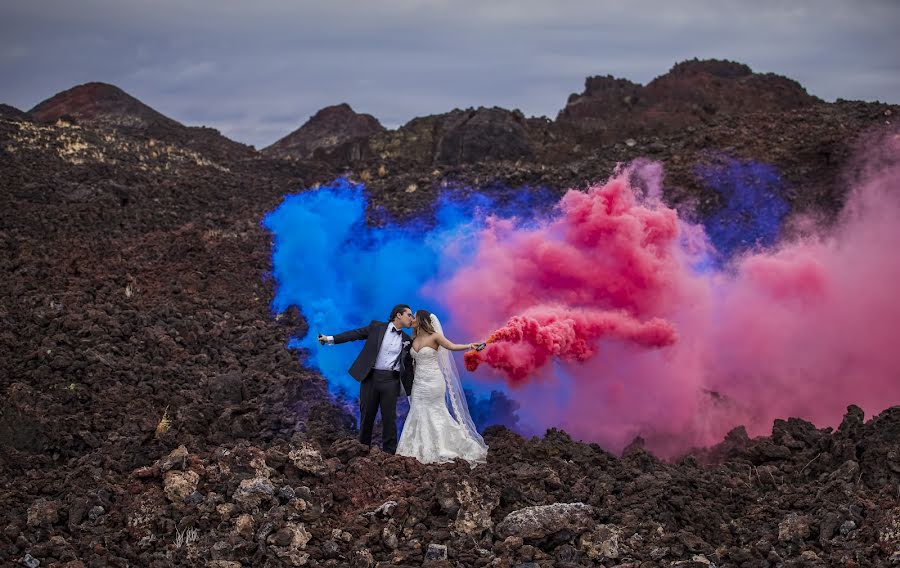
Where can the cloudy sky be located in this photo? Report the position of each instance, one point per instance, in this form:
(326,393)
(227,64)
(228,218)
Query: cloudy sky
(257,70)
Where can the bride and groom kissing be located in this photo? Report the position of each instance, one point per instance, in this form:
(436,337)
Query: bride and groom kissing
(425,368)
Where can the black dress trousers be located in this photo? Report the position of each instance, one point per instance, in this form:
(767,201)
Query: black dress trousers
(380,389)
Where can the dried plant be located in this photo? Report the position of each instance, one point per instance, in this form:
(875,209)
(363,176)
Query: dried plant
(186,537)
(164,423)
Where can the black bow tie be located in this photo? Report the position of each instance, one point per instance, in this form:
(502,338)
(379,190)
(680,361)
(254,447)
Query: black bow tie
(397,331)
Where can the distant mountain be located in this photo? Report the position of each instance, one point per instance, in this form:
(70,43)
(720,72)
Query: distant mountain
(7,111)
(107,106)
(99,103)
(692,93)
(696,111)
(458,137)
(328,129)
(610,110)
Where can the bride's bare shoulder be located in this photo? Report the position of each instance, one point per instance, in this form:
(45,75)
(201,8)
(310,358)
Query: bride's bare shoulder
(425,339)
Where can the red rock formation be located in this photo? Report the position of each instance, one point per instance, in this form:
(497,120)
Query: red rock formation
(98,102)
(691,93)
(104,105)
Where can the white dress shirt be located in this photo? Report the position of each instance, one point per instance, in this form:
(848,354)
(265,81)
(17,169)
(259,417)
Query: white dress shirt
(390,348)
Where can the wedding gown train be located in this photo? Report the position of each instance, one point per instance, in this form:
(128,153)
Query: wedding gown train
(431,434)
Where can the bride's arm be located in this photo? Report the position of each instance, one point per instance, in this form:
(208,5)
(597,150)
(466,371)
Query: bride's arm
(447,344)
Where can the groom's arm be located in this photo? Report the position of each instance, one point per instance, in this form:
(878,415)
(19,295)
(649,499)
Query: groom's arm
(352,335)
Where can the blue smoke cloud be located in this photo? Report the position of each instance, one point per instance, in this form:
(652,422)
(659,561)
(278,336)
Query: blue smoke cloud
(342,273)
(754,208)
(496,408)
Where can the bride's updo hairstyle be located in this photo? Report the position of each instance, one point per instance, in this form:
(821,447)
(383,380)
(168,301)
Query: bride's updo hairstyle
(423,318)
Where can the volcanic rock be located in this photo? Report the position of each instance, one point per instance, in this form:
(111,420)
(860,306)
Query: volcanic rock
(473,515)
(289,543)
(252,492)
(325,131)
(20,428)
(545,520)
(468,136)
(348,448)
(794,528)
(853,421)
(227,389)
(602,543)
(484,134)
(177,459)
(308,459)
(178,485)
(436,553)
(243,526)
(386,509)
(43,512)
(688,95)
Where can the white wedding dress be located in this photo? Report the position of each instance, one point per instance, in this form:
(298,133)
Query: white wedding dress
(431,434)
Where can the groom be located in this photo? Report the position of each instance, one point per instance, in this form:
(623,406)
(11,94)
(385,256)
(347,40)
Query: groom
(382,364)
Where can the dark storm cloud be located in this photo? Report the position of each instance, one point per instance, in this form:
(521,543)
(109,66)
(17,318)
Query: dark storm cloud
(257,70)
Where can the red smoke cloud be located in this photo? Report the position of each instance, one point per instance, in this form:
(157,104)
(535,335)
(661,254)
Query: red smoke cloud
(528,341)
(643,343)
(603,269)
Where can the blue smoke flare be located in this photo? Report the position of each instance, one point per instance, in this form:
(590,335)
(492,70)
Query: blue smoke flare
(754,208)
(342,273)
(497,408)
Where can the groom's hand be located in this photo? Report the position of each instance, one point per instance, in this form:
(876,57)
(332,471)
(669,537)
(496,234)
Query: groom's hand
(322,339)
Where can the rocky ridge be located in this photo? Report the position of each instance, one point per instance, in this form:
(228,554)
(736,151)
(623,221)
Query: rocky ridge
(692,93)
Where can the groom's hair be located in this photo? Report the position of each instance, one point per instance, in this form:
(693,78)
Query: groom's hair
(398,309)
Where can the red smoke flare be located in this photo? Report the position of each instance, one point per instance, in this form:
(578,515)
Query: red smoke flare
(528,341)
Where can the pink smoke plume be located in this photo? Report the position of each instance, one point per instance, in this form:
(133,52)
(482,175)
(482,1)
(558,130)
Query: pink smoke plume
(528,341)
(642,343)
(602,269)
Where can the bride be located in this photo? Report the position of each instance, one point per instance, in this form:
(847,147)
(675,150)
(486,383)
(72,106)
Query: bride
(431,434)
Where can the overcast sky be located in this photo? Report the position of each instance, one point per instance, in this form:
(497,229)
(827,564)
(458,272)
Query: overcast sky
(258,69)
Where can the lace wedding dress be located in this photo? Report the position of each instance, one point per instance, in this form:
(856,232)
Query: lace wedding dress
(431,434)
